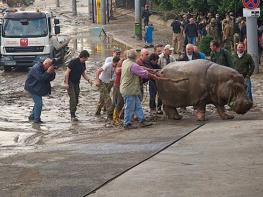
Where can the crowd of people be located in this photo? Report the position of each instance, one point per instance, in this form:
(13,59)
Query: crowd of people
(227,30)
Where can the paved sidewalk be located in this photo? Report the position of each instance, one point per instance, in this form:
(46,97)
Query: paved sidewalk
(219,159)
(122,29)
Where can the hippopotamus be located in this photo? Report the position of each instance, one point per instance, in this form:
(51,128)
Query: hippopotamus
(198,83)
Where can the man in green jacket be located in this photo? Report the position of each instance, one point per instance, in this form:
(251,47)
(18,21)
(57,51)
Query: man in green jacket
(219,55)
(245,65)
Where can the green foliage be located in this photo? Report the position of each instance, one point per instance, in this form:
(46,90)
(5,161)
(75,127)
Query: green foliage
(204,45)
(218,6)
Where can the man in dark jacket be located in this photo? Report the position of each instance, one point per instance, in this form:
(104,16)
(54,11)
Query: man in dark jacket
(38,85)
(191,31)
(244,64)
(146,15)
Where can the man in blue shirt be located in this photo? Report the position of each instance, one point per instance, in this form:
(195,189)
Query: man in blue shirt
(38,85)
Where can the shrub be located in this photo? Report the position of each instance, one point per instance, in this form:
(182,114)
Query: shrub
(205,44)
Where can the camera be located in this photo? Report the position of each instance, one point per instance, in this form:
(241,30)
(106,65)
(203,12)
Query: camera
(54,62)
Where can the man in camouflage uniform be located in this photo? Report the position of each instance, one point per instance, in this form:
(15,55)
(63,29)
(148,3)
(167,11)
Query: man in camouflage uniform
(104,80)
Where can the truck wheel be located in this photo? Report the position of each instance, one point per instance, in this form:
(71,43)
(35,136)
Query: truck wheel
(7,68)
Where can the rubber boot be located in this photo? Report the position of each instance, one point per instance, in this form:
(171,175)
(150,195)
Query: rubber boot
(116,119)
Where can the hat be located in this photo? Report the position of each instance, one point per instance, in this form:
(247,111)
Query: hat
(117,50)
(168,47)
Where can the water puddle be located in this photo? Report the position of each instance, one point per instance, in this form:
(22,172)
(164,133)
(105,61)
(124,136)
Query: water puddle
(17,134)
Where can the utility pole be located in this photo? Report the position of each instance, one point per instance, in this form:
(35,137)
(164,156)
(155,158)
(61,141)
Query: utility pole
(138,20)
(74,7)
(252,40)
(103,12)
(90,9)
(57,4)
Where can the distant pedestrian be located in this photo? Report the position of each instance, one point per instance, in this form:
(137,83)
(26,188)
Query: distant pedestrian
(219,55)
(38,85)
(244,64)
(76,68)
(177,28)
(191,32)
(146,15)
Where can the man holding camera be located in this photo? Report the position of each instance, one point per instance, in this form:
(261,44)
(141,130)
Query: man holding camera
(75,70)
(38,85)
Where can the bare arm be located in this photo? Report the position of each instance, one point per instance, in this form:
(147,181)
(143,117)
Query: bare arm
(86,78)
(66,77)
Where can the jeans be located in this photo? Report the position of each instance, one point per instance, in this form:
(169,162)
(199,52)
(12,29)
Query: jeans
(191,40)
(132,105)
(248,88)
(36,112)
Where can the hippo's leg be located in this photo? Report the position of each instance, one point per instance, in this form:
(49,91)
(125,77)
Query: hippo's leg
(200,113)
(171,112)
(223,114)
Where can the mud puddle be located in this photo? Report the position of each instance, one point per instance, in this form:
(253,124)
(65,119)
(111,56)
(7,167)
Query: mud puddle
(17,134)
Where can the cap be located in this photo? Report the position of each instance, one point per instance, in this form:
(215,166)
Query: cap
(168,47)
(117,50)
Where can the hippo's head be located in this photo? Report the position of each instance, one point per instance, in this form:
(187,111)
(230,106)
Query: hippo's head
(239,103)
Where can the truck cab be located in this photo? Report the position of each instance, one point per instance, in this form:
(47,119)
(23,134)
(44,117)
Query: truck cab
(28,37)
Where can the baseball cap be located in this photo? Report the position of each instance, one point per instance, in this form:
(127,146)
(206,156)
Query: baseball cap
(117,50)
(168,47)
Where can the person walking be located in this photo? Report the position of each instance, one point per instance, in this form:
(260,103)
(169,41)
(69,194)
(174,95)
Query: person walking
(76,68)
(38,85)
(219,55)
(244,64)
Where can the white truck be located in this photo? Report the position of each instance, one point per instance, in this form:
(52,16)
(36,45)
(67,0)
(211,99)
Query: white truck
(28,37)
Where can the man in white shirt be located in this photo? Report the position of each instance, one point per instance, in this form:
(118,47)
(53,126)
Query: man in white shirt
(104,80)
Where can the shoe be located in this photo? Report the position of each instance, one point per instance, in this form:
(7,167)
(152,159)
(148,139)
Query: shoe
(159,112)
(97,113)
(31,117)
(145,124)
(129,126)
(38,122)
(74,119)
